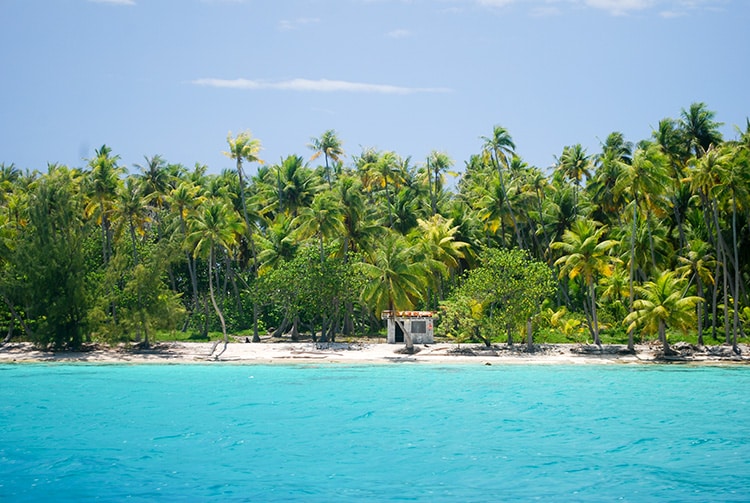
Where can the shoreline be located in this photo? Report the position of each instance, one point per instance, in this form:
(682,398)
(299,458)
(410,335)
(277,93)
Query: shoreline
(287,353)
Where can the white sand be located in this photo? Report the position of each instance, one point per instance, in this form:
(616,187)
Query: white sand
(306,352)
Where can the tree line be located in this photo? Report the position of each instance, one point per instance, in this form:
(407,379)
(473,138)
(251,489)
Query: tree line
(632,241)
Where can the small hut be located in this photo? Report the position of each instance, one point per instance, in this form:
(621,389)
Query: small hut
(416,323)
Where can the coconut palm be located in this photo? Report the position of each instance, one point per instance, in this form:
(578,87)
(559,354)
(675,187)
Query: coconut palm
(699,129)
(102,181)
(296,185)
(437,164)
(696,264)
(277,244)
(323,219)
(643,179)
(397,281)
(663,304)
(131,211)
(385,173)
(155,178)
(329,146)
(574,164)
(214,229)
(183,199)
(736,188)
(436,237)
(359,218)
(499,148)
(705,175)
(244,147)
(586,254)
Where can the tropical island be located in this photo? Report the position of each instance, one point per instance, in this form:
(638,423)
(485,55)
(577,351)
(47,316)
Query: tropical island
(639,245)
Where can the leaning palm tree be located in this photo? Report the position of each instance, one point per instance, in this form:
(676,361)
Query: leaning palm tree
(586,254)
(663,304)
(214,229)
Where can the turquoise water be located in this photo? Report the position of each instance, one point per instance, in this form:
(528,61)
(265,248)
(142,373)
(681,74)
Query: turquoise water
(374,433)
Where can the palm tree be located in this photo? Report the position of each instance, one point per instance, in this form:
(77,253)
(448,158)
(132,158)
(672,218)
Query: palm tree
(586,254)
(735,187)
(277,244)
(297,185)
(246,148)
(103,180)
(699,129)
(183,199)
(663,304)
(359,218)
(671,141)
(397,280)
(537,183)
(437,163)
(322,219)
(499,147)
(642,179)
(436,238)
(215,228)
(616,152)
(705,177)
(156,178)
(132,212)
(696,264)
(385,173)
(330,146)
(575,164)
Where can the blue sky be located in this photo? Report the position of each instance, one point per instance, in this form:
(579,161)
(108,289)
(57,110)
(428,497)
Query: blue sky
(174,77)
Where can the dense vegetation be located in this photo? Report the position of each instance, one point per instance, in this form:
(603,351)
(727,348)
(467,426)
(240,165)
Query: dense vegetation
(631,241)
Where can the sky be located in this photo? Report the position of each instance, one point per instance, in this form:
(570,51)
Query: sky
(175,77)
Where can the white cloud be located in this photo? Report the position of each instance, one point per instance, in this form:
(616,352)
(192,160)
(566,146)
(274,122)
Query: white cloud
(114,2)
(620,7)
(321,85)
(666,8)
(293,24)
(672,14)
(398,33)
(495,3)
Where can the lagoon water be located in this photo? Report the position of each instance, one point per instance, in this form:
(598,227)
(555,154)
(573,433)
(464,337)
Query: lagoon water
(374,433)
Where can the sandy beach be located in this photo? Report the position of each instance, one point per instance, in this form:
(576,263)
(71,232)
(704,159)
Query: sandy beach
(371,353)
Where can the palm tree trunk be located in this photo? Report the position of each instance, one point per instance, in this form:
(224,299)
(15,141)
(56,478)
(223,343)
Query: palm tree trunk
(29,333)
(722,247)
(699,306)
(592,293)
(631,345)
(216,306)
(663,338)
(529,336)
(510,210)
(736,274)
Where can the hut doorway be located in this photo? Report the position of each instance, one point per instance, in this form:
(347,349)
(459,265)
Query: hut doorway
(399,333)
